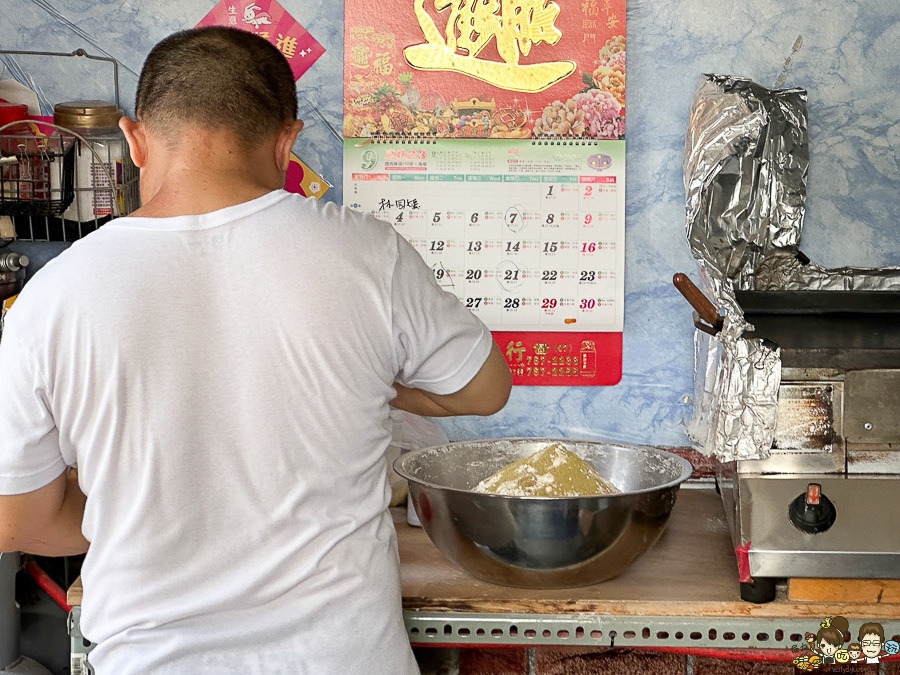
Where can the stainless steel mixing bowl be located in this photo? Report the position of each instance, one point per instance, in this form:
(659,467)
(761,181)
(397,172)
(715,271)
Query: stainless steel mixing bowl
(542,542)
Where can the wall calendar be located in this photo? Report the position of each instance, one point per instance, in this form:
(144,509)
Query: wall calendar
(528,235)
(491,134)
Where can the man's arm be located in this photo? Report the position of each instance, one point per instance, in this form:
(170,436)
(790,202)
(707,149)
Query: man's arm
(485,394)
(46,521)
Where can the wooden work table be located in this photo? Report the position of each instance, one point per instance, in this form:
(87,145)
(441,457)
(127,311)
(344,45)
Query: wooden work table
(683,591)
(691,571)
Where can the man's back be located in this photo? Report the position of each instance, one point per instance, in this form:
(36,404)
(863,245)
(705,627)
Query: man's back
(223,383)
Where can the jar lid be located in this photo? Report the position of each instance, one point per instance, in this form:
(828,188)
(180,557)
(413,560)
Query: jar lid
(87,115)
(12,112)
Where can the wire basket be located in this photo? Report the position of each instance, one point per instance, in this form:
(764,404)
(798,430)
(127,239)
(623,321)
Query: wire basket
(61,185)
(39,179)
(57,184)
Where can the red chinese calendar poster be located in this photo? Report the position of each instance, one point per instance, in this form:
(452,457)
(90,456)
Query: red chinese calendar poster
(485,69)
(491,134)
(269,20)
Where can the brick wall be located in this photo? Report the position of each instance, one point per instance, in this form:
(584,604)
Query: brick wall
(597,660)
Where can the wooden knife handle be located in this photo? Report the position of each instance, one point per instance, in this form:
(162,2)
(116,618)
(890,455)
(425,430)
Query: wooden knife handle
(707,311)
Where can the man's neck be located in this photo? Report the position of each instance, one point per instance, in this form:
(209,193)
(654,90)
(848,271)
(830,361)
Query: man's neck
(202,176)
(185,194)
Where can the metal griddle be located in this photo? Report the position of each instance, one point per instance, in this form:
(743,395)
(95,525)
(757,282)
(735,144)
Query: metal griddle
(849,330)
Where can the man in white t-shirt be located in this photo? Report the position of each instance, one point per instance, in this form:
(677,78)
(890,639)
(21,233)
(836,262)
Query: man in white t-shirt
(220,367)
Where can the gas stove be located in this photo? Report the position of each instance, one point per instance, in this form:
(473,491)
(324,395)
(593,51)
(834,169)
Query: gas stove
(826,502)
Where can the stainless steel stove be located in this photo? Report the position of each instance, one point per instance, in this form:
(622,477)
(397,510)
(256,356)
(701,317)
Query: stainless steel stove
(826,503)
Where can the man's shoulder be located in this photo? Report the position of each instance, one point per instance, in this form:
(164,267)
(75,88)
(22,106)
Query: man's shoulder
(331,215)
(93,262)
(340,227)
(79,258)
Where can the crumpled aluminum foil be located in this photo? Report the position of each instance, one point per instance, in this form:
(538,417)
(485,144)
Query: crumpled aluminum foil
(746,161)
(786,273)
(745,167)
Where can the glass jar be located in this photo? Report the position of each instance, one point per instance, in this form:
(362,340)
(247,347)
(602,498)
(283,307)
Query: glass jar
(97,122)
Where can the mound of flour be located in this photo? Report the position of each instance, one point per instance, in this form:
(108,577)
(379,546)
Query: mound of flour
(551,472)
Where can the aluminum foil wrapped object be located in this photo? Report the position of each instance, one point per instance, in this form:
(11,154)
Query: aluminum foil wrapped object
(787,273)
(745,168)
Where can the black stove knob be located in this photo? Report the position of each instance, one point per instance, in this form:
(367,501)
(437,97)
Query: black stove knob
(812,511)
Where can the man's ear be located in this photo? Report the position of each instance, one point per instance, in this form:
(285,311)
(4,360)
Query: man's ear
(136,136)
(285,144)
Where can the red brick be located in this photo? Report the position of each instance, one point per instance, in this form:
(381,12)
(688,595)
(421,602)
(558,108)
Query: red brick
(703,666)
(590,660)
(510,661)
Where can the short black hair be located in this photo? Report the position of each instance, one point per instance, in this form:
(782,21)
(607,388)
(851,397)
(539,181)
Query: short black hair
(219,78)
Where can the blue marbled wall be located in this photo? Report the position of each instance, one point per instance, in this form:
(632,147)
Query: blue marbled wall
(848,63)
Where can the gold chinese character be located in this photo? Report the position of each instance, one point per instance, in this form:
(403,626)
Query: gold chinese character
(476,20)
(541,348)
(515,348)
(287,45)
(612,21)
(359,57)
(382,64)
(516,25)
(384,40)
(526,22)
(264,35)
(590,7)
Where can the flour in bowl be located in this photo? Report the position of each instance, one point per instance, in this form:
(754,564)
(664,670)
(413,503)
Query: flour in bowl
(551,472)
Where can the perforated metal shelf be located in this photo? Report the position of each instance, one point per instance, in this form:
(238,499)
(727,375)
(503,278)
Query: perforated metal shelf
(460,629)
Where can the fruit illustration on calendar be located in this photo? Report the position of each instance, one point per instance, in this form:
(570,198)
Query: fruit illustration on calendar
(506,70)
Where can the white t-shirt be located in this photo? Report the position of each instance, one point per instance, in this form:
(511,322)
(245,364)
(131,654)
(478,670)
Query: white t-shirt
(222,383)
